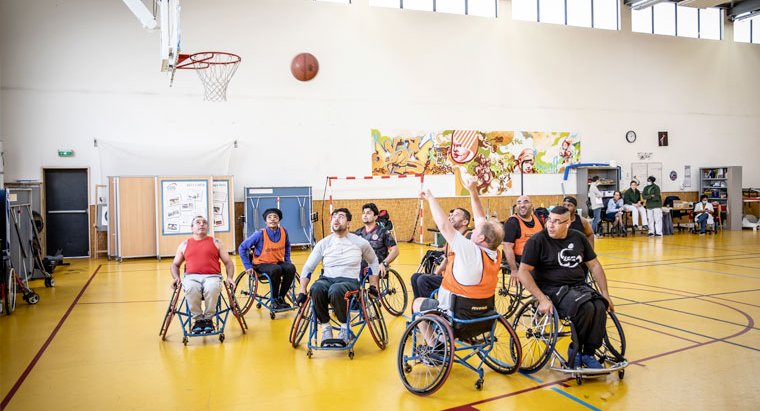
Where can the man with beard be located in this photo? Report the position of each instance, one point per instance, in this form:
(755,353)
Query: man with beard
(341,254)
(552,271)
(517,230)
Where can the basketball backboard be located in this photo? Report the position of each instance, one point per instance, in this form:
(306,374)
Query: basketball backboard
(169,11)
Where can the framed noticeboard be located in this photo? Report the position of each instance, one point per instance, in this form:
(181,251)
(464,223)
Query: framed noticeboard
(181,201)
(220,208)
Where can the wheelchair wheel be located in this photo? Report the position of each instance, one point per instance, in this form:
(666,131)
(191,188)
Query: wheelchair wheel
(10,291)
(393,293)
(509,295)
(424,369)
(169,314)
(290,297)
(537,334)
(373,315)
(505,352)
(301,322)
(613,349)
(245,290)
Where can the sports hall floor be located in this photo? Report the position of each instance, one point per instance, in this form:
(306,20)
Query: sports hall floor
(688,305)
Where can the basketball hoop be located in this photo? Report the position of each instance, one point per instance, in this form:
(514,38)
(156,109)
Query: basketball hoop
(215,69)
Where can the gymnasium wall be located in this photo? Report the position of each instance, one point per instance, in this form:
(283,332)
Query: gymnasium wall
(77,71)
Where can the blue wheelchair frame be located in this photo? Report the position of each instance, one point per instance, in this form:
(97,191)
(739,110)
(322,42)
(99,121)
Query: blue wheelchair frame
(224,305)
(359,302)
(265,300)
(457,350)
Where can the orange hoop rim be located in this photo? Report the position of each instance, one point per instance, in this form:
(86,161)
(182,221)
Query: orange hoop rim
(203,60)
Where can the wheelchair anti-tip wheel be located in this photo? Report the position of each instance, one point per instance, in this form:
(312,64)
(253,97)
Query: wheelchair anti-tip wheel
(424,368)
(504,352)
(393,293)
(373,315)
(301,324)
(537,334)
(246,286)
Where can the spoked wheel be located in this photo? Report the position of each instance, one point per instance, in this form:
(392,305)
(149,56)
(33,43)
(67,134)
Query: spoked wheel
(505,353)
(245,290)
(300,322)
(393,293)
(237,311)
(10,291)
(509,295)
(613,349)
(169,314)
(373,315)
(290,297)
(537,334)
(424,368)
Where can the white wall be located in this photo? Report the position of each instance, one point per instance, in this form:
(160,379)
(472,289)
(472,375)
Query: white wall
(79,70)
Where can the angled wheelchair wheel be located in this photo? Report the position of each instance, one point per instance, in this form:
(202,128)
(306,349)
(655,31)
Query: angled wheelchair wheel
(504,352)
(393,293)
(613,349)
(509,295)
(537,335)
(373,315)
(10,291)
(301,322)
(169,313)
(423,369)
(246,286)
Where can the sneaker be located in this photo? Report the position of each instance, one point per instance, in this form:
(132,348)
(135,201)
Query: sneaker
(635,227)
(658,235)
(577,362)
(589,361)
(651,234)
(197,327)
(645,228)
(327,332)
(283,304)
(208,326)
(432,356)
(343,334)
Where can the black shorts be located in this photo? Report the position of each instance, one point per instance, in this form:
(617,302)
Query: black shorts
(429,304)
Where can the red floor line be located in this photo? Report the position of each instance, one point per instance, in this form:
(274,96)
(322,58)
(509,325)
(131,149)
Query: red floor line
(42,349)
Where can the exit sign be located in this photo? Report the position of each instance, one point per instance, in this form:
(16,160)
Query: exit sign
(65,153)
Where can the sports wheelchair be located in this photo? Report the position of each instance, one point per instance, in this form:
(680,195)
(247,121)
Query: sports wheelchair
(540,332)
(510,294)
(476,334)
(393,294)
(247,291)
(363,311)
(181,309)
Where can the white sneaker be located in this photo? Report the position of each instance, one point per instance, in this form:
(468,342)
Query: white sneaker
(326,332)
(343,334)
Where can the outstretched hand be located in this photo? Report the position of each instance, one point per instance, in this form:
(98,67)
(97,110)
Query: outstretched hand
(472,184)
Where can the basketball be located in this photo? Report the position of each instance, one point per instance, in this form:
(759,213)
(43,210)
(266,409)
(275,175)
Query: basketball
(304,66)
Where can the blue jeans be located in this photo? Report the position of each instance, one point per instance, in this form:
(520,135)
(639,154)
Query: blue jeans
(597,218)
(702,220)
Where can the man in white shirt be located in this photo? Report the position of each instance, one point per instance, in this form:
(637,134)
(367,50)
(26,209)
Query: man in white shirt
(341,254)
(703,214)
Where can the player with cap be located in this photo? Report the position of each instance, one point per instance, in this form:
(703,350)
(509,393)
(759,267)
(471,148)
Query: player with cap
(270,248)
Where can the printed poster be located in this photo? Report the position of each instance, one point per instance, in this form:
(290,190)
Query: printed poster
(220,208)
(181,201)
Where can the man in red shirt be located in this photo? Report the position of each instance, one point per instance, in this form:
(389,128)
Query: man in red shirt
(203,275)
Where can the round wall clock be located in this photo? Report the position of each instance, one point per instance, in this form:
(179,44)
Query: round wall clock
(630,136)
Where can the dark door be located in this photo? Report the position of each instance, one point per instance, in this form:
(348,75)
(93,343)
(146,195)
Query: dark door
(67,217)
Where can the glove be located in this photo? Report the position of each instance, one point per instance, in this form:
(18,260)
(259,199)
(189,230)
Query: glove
(373,291)
(300,299)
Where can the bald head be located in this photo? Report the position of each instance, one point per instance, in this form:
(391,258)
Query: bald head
(524,207)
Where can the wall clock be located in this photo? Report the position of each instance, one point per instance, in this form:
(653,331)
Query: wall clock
(630,136)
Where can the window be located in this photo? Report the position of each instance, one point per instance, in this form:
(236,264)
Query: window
(747,30)
(601,14)
(484,8)
(669,19)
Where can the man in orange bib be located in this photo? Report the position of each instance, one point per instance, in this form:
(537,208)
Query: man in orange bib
(473,265)
(270,247)
(517,230)
(203,276)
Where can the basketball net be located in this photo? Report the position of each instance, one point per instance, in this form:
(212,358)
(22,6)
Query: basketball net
(214,68)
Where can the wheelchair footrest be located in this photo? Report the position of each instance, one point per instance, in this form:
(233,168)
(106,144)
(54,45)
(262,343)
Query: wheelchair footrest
(592,371)
(334,343)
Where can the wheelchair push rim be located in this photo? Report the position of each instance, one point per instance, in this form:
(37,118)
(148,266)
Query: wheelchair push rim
(537,335)
(393,294)
(422,370)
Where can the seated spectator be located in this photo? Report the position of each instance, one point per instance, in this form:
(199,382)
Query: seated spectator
(703,214)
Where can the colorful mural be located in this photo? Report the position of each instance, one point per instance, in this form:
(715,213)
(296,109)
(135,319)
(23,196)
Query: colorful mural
(491,156)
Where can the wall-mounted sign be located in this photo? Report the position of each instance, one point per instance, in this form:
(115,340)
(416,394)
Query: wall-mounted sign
(65,153)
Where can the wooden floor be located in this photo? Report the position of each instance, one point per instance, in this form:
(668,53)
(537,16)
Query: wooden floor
(688,305)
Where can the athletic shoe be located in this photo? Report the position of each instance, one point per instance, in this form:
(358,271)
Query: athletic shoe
(589,361)
(327,332)
(658,235)
(283,304)
(198,327)
(208,326)
(343,334)
(645,228)
(651,234)
(577,362)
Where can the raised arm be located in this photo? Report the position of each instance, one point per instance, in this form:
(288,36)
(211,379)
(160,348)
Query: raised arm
(439,216)
(477,207)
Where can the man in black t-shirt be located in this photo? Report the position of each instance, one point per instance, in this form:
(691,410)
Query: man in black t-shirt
(555,257)
(378,237)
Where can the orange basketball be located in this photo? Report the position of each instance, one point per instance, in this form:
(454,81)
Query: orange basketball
(304,66)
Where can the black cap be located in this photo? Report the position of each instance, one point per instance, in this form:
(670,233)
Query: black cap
(272,210)
(570,200)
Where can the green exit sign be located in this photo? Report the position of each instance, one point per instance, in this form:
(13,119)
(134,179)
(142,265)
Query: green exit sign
(65,153)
